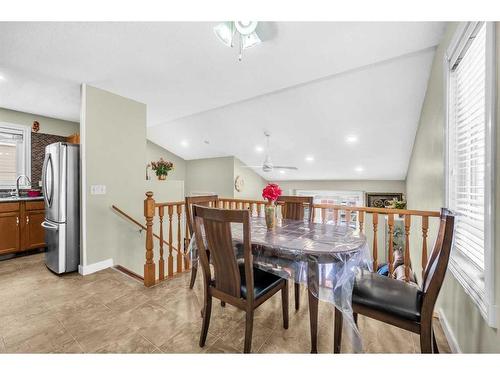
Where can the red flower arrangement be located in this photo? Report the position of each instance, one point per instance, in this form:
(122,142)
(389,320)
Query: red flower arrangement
(271,192)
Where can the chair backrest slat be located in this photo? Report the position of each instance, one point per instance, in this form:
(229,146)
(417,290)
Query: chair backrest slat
(217,228)
(294,207)
(202,200)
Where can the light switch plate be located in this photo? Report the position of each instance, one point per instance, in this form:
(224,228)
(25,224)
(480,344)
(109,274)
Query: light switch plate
(98,189)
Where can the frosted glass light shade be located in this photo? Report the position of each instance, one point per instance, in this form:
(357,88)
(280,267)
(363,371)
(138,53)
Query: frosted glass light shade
(225,31)
(250,40)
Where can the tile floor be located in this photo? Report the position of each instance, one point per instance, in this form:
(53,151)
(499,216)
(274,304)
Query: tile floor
(109,312)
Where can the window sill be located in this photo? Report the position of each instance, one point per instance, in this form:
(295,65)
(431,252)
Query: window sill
(472,281)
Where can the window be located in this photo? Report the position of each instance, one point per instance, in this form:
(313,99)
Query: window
(470,162)
(15,154)
(340,198)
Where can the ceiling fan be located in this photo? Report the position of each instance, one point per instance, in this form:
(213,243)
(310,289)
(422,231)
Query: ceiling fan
(267,165)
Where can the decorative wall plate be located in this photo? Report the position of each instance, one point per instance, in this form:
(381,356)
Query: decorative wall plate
(239,184)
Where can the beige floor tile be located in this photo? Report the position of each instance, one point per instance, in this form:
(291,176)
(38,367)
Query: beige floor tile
(108,312)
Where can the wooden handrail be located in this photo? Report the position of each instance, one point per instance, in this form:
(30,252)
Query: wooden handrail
(325,213)
(130,218)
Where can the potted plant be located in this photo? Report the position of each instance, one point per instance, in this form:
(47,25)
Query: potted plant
(161,168)
(271,192)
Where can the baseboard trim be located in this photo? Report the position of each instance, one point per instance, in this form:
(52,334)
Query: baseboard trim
(129,273)
(450,336)
(94,267)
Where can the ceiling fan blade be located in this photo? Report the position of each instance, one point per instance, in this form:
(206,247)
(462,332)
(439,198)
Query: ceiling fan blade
(251,166)
(280,167)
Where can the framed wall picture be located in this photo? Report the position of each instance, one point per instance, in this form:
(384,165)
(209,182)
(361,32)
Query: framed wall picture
(381,200)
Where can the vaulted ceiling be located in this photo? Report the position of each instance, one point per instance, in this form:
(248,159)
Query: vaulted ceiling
(311,85)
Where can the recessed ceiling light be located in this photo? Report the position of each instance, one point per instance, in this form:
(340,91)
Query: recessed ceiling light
(351,139)
(2,78)
(259,148)
(309,158)
(282,171)
(359,169)
(184,143)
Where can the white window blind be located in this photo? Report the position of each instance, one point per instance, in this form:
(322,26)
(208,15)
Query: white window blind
(15,153)
(470,161)
(467,145)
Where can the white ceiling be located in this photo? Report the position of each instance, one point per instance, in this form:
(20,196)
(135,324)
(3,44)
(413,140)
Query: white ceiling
(309,84)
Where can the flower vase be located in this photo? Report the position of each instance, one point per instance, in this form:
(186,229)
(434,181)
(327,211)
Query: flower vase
(162,177)
(270,215)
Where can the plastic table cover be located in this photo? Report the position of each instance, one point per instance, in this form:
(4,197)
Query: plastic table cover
(324,257)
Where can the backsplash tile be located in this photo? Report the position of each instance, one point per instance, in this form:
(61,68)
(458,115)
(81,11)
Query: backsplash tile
(38,143)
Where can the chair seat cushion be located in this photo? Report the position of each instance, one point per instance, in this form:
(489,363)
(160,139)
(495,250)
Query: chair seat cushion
(263,282)
(387,295)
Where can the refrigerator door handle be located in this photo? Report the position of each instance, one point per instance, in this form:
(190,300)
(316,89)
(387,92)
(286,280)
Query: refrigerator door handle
(48,183)
(48,225)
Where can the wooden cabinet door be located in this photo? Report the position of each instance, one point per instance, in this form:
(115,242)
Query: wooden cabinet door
(10,234)
(34,233)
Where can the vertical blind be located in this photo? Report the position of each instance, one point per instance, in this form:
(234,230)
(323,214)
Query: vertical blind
(467,146)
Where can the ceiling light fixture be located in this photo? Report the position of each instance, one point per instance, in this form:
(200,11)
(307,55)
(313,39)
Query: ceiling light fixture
(359,169)
(226,32)
(184,143)
(351,139)
(259,149)
(282,171)
(2,78)
(310,158)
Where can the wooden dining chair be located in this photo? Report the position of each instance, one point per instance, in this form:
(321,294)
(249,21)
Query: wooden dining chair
(401,304)
(294,207)
(239,284)
(202,200)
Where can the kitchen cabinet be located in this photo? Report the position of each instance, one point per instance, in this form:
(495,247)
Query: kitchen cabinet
(73,138)
(20,226)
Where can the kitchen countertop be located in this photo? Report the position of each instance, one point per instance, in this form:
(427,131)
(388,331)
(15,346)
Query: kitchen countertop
(20,199)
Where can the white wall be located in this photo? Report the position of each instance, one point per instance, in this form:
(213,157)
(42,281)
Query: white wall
(47,125)
(254,183)
(369,186)
(213,175)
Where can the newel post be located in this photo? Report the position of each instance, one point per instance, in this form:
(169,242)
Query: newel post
(149,266)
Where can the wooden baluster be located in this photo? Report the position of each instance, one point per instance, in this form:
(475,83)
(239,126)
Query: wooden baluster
(407,247)
(390,224)
(361,220)
(347,217)
(149,265)
(335,216)
(179,251)
(323,215)
(161,261)
(170,247)
(313,213)
(425,228)
(187,264)
(375,242)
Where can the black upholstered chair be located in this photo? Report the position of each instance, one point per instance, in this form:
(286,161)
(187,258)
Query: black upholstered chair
(240,285)
(401,304)
(294,207)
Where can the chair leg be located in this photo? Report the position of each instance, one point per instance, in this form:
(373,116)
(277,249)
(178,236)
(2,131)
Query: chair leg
(337,333)
(297,295)
(248,332)
(284,303)
(207,311)
(426,337)
(434,343)
(194,270)
(355,316)
(222,303)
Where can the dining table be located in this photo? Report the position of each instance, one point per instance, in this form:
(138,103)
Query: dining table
(323,257)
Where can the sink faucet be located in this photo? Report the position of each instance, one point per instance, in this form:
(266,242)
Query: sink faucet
(17,182)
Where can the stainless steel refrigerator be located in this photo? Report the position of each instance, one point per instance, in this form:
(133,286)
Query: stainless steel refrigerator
(61,191)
